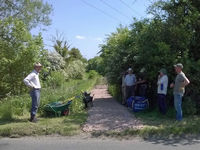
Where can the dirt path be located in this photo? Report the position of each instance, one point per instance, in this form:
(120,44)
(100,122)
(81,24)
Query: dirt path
(108,114)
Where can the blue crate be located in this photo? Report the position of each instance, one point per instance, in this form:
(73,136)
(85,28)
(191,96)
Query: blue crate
(140,103)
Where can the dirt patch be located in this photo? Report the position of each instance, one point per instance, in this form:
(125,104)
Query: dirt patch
(108,114)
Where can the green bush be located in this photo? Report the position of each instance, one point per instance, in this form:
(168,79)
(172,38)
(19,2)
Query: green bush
(6,111)
(75,70)
(92,74)
(56,79)
(115,91)
(189,106)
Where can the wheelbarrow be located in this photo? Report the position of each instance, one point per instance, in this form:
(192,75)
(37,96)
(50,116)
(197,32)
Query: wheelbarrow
(57,108)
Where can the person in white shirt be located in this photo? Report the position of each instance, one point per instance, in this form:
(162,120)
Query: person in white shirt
(123,88)
(130,81)
(162,91)
(33,82)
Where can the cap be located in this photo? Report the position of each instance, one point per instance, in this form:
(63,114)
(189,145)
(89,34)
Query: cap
(179,65)
(129,69)
(163,70)
(37,64)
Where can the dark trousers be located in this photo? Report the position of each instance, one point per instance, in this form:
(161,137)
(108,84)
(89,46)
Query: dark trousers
(162,103)
(130,91)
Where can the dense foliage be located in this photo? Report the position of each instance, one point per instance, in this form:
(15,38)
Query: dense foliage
(18,52)
(31,12)
(170,36)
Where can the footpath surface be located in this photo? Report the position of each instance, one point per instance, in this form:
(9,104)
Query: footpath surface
(108,114)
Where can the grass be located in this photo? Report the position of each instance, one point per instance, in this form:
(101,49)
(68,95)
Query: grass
(14,112)
(158,126)
(65,126)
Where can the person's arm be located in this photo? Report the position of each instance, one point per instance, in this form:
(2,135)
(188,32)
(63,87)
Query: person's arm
(125,80)
(28,79)
(186,81)
(135,79)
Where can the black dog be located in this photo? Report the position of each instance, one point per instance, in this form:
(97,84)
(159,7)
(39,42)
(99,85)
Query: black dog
(87,99)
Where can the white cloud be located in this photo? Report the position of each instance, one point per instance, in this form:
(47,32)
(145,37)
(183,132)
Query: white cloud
(80,37)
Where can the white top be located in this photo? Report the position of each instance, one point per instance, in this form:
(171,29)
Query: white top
(130,80)
(123,81)
(32,80)
(162,85)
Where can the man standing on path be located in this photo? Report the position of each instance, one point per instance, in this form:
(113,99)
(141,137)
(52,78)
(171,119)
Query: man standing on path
(179,89)
(130,81)
(123,88)
(33,82)
(162,90)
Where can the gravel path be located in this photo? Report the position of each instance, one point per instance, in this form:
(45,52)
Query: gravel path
(108,114)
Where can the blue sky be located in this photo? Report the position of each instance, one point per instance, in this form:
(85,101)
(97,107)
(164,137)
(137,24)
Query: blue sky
(86,23)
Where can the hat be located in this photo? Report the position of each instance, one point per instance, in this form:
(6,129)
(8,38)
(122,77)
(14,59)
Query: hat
(130,69)
(179,65)
(163,70)
(37,64)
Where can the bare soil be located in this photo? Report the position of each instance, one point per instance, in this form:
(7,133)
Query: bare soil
(108,114)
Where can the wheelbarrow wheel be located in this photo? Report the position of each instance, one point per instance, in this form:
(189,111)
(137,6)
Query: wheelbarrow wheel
(66,112)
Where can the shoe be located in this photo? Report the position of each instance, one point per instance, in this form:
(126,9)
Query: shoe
(33,119)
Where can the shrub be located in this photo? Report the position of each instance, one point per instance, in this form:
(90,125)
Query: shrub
(75,70)
(6,111)
(189,106)
(56,79)
(57,62)
(92,74)
(115,91)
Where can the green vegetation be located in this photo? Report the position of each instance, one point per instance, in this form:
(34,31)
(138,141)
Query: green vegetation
(170,36)
(14,111)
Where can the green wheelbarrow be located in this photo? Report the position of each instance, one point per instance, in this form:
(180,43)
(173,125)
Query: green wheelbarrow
(57,108)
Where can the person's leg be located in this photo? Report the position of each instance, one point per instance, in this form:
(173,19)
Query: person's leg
(133,90)
(123,95)
(163,104)
(35,95)
(159,97)
(177,105)
(127,92)
(159,102)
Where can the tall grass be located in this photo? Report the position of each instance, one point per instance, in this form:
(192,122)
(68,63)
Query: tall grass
(14,111)
(20,105)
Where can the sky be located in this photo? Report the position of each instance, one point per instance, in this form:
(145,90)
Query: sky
(85,24)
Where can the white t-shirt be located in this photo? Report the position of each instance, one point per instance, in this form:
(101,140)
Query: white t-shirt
(162,85)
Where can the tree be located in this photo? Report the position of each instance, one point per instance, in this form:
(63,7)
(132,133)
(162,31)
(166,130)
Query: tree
(62,48)
(18,52)
(118,54)
(75,54)
(170,36)
(31,12)
(96,64)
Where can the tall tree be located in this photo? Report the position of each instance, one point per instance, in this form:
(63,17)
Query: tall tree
(75,54)
(62,48)
(18,52)
(31,12)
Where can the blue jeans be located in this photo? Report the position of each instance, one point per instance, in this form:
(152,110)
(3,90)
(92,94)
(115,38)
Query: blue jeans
(35,95)
(177,105)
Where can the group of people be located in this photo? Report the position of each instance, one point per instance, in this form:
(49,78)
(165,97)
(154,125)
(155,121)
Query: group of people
(130,85)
